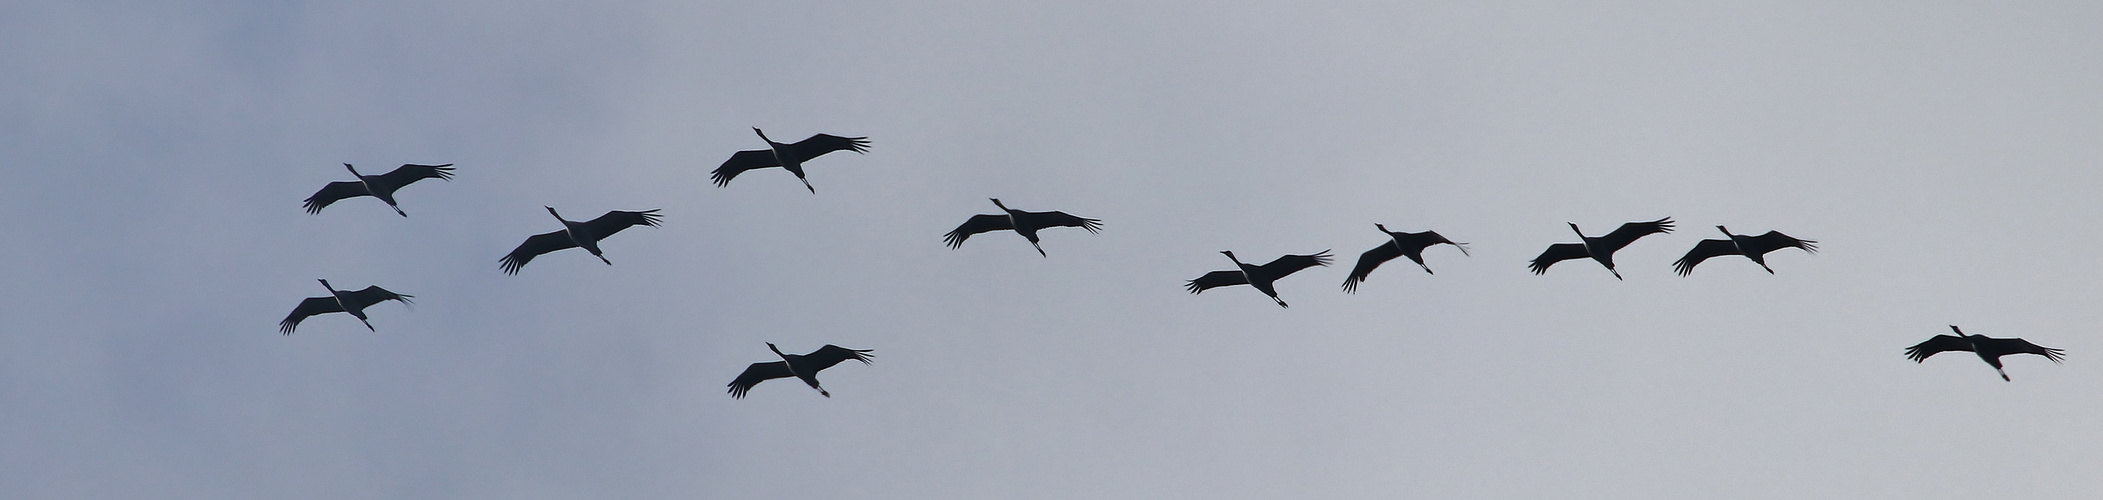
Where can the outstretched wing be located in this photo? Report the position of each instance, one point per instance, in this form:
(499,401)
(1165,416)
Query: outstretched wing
(740,162)
(1557,253)
(1217,279)
(533,247)
(757,373)
(1289,264)
(615,221)
(408,173)
(1059,219)
(819,145)
(1775,240)
(335,191)
(373,295)
(309,307)
(976,224)
(1369,260)
(1940,343)
(2020,346)
(1628,233)
(830,355)
(1702,251)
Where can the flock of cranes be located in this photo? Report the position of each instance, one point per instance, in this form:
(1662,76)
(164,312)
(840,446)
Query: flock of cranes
(791,157)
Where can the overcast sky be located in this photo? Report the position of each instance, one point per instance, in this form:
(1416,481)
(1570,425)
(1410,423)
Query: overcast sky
(1943,154)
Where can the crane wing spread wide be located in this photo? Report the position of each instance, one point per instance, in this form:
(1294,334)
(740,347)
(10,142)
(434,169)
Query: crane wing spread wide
(1703,251)
(830,355)
(333,192)
(1775,240)
(976,224)
(818,145)
(1289,264)
(1557,253)
(309,307)
(534,246)
(373,295)
(615,221)
(1217,279)
(409,173)
(758,372)
(2020,346)
(1060,219)
(1628,233)
(1367,262)
(1937,344)
(740,162)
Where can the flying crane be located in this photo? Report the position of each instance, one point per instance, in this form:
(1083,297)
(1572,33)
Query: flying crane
(787,156)
(1023,223)
(577,234)
(380,186)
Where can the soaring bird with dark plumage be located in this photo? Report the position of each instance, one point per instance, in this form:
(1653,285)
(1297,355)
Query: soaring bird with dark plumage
(804,367)
(787,156)
(1410,245)
(1260,277)
(1600,249)
(1023,223)
(378,186)
(577,234)
(1989,349)
(1752,247)
(340,301)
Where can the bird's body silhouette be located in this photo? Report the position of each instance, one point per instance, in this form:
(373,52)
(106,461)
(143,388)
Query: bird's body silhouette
(787,156)
(1752,247)
(1023,223)
(1600,249)
(575,235)
(804,367)
(1409,245)
(1260,277)
(340,301)
(380,186)
(1989,349)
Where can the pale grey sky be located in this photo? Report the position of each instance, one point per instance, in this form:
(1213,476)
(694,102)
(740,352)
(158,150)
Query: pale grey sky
(1943,154)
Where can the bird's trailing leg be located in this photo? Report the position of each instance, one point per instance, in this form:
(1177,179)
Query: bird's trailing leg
(807,184)
(368,325)
(1040,249)
(2004,374)
(397,210)
(1617,274)
(602,258)
(1281,302)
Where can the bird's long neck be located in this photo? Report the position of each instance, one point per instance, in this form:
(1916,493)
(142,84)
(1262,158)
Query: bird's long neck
(763,136)
(1580,233)
(353,170)
(558,216)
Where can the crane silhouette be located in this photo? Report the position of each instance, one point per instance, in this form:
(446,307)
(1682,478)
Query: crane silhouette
(1989,349)
(577,234)
(1600,249)
(339,301)
(1260,277)
(804,367)
(787,156)
(1410,245)
(1023,223)
(380,186)
(1752,247)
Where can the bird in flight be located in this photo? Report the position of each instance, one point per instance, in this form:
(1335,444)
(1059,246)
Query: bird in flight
(1600,249)
(1410,245)
(1752,247)
(1989,349)
(804,367)
(1023,223)
(339,301)
(378,186)
(787,156)
(1260,277)
(576,234)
